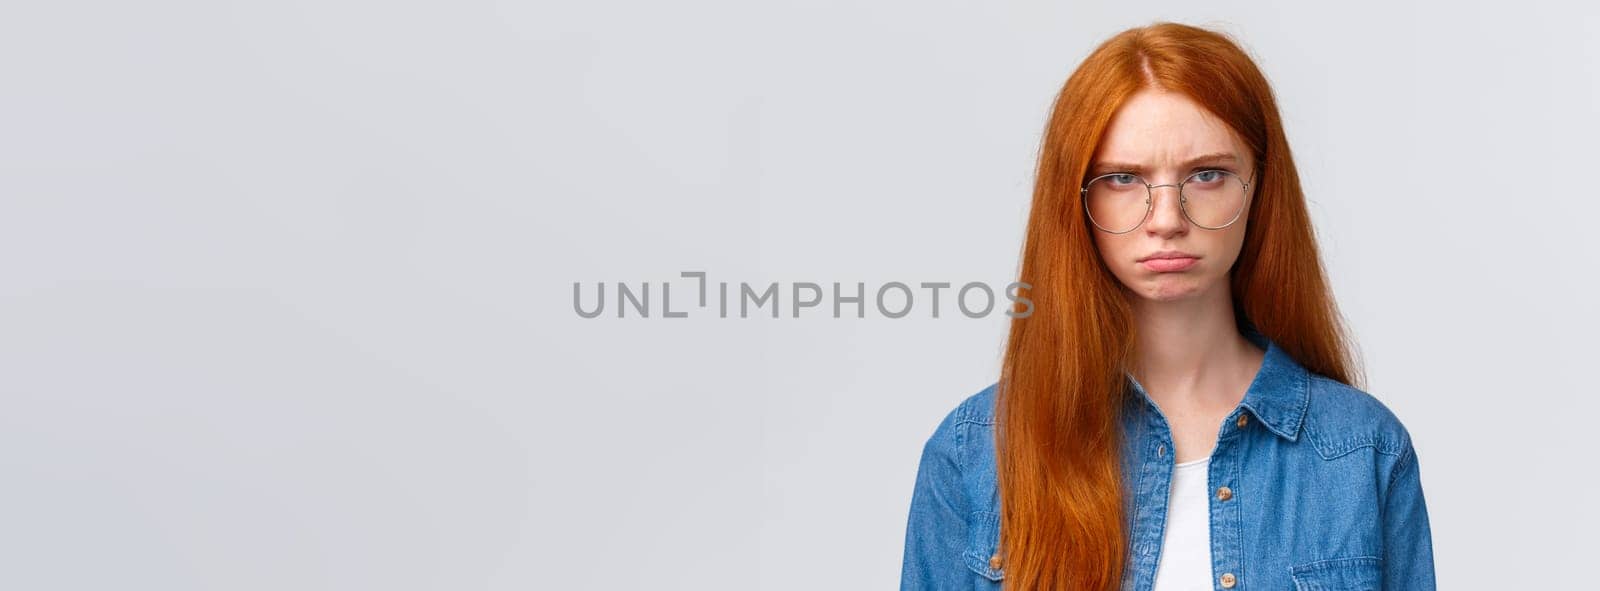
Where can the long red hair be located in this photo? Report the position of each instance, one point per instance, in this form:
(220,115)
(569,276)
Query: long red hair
(1063,522)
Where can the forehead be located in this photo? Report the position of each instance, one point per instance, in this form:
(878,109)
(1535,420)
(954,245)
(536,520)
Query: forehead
(1158,128)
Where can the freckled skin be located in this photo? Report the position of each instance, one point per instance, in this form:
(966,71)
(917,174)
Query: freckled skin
(1162,130)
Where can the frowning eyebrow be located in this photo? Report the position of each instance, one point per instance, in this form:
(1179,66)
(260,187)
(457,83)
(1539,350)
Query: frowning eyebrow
(1192,164)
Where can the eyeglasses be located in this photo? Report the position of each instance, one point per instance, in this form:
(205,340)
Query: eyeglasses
(1120,202)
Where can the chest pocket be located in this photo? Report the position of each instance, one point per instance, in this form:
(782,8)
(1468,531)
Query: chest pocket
(983,545)
(1362,573)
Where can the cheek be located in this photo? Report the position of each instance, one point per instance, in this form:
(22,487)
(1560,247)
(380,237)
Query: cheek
(1109,247)
(1229,247)
(1117,250)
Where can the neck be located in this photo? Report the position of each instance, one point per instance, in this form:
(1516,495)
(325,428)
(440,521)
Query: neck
(1189,353)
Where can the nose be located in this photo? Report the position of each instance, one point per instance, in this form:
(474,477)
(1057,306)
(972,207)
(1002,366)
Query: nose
(1166,212)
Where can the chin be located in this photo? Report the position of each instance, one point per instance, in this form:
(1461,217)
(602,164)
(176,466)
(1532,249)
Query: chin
(1166,287)
(1168,296)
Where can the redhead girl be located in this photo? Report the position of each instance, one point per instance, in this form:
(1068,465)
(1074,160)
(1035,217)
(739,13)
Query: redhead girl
(1181,410)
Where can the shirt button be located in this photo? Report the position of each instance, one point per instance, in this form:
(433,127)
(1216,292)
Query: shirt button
(1161,451)
(1242,420)
(994,562)
(1228,580)
(1224,493)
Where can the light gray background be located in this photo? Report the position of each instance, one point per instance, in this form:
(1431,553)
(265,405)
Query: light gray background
(287,285)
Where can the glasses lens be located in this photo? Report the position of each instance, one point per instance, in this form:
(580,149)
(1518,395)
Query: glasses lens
(1118,202)
(1213,198)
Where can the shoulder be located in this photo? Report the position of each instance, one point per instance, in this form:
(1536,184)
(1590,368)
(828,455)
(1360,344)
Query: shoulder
(951,435)
(976,409)
(1341,418)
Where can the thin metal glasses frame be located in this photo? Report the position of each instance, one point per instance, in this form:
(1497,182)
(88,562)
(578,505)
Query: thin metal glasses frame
(1149,199)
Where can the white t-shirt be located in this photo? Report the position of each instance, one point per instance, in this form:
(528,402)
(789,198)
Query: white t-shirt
(1185,562)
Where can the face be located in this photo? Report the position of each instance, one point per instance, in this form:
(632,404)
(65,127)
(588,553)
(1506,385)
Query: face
(1165,137)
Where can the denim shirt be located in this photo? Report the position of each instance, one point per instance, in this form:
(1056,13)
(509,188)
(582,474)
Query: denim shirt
(1325,488)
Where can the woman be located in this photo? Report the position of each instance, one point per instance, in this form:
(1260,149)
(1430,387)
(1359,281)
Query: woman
(1180,411)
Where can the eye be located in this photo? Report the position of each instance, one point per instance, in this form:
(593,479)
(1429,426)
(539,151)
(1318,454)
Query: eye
(1207,176)
(1121,179)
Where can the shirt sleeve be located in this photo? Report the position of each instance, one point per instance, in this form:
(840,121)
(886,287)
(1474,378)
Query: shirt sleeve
(1408,540)
(936,529)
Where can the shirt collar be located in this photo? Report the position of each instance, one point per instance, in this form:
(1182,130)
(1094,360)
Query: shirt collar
(1278,395)
(1280,391)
